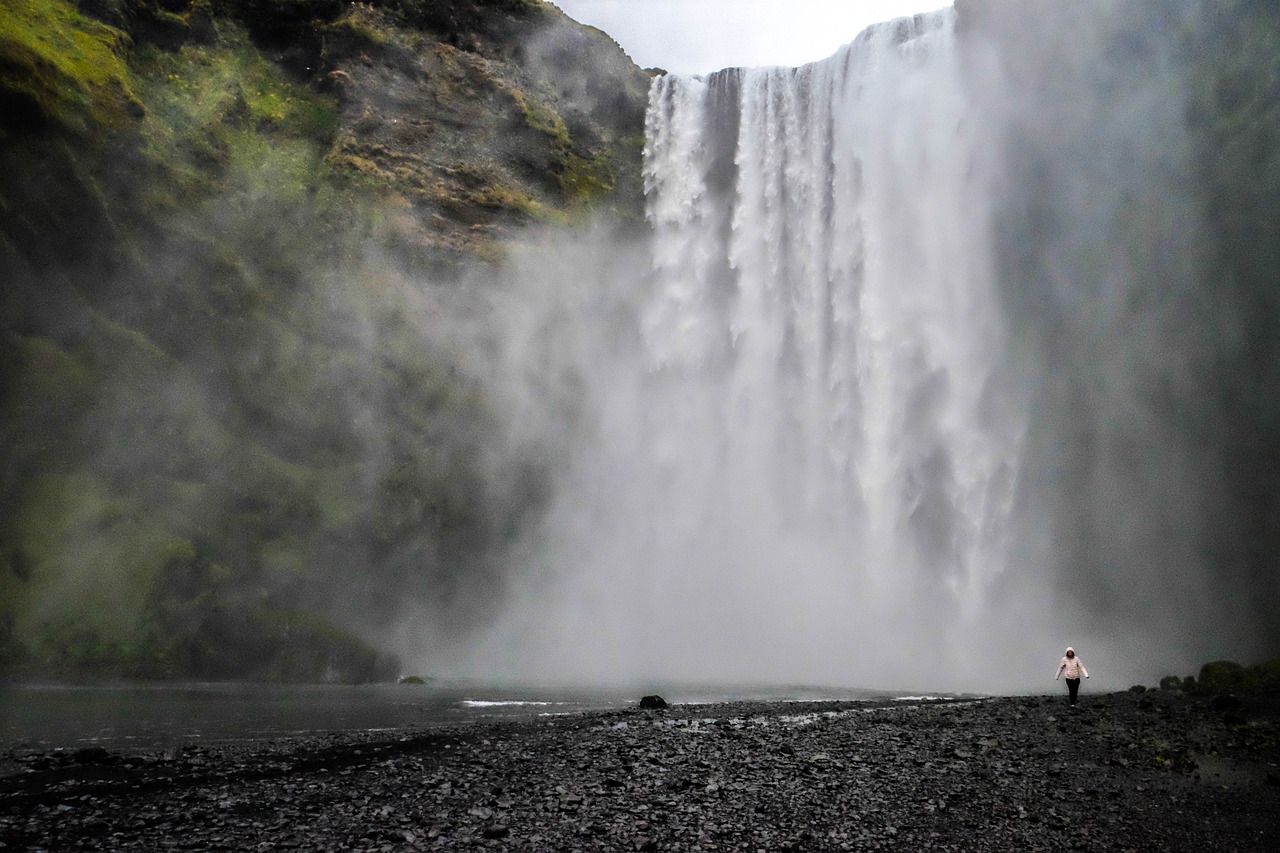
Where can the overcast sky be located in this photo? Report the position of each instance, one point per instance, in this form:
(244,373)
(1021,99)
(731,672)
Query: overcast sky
(701,36)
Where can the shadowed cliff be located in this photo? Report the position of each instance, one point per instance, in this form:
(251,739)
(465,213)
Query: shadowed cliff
(236,438)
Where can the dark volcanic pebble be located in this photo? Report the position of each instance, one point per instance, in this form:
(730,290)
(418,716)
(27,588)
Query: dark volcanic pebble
(1128,771)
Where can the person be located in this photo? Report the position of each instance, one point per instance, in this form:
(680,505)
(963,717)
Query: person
(1072,667)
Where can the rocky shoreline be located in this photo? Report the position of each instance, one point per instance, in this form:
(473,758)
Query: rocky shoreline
(1153,770)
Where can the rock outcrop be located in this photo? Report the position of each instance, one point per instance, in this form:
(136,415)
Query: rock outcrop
(236,441)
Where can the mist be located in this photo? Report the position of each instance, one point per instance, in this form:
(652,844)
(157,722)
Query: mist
(918,379)
(928,360)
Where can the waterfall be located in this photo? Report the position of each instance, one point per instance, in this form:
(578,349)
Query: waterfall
(825,307)
(801,458)
(824,323)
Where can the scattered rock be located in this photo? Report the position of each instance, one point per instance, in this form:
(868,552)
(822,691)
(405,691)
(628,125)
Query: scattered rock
(93,755)
(1226,703)
(722,777)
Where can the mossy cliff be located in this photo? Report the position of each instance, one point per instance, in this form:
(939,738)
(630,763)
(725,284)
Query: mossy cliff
(234,444)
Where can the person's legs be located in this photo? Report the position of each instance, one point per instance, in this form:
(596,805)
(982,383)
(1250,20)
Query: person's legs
(1073,687)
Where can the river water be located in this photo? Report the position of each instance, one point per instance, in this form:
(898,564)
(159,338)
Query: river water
(161,716)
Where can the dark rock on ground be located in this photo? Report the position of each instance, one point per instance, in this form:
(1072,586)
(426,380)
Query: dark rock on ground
(652,702)
(1016,773)
(1226,703)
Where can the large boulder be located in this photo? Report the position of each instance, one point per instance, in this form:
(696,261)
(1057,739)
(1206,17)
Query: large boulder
(1221,677)
(1264,677)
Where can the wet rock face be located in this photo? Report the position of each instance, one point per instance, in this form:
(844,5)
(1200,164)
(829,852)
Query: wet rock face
(1002,774)
(198,211)
(482,117)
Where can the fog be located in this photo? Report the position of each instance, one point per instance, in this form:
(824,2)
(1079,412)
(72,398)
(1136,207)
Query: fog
(933,358)
(913,384)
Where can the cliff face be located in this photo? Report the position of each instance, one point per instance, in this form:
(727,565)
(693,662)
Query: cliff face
(235,439)
(481,118)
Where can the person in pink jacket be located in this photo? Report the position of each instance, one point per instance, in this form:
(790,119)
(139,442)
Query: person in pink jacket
(1072,667)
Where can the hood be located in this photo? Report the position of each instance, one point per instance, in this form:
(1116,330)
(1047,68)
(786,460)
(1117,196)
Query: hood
(1069,651)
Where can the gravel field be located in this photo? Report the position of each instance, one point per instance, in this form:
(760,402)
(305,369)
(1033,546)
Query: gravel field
(1125,771)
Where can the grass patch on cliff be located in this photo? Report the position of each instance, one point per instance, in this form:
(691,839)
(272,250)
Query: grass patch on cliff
(224,108)
(542,117)
(363,25)
(90,562)
(62,66)
(584,180)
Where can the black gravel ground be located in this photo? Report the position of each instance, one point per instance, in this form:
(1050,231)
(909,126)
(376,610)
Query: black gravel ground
(1127,771)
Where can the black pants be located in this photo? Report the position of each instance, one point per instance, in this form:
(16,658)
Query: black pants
(1073,687)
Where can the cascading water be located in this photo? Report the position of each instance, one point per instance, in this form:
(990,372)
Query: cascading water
(802,459)
(825,298)
(823,333)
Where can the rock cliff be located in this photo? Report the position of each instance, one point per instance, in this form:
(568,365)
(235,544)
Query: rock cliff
(235,445)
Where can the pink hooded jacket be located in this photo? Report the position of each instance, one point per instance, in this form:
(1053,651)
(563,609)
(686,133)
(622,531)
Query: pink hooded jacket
(1071,665)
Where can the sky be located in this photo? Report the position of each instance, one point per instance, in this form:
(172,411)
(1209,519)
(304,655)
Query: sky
(701,36)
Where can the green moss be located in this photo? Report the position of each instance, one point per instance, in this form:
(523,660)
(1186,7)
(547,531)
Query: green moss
(509,199)
(223,108)
(65,67)
(91,563)
(362,25)
(542,117)
(584,180)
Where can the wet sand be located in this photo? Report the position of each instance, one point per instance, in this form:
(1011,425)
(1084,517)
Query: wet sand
(1126,771)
